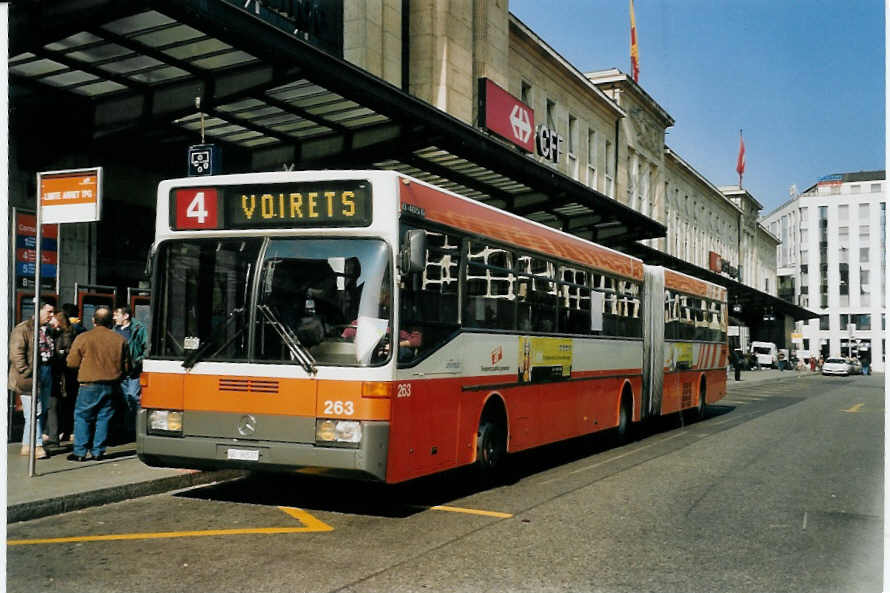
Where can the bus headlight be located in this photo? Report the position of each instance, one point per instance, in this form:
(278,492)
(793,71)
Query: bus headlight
(166,422)
(338,433)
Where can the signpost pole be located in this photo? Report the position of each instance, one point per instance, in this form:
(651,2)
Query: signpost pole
(35,347)
(71,196)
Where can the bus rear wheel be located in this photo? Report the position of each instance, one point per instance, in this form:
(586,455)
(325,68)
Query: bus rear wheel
(702,396)
(622,431)
(491,449)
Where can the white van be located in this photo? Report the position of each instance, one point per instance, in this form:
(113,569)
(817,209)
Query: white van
(765,352)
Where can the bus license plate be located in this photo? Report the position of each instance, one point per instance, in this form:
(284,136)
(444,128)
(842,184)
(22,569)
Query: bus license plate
(243,455)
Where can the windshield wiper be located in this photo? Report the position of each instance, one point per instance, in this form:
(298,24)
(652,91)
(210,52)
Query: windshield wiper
(198,354)
(298,351)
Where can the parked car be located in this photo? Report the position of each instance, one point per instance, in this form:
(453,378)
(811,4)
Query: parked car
(855,366)
(835,366)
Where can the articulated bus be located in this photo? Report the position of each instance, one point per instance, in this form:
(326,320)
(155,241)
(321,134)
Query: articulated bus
(371,324)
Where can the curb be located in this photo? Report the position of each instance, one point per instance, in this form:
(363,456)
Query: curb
(72,502)
(786,377)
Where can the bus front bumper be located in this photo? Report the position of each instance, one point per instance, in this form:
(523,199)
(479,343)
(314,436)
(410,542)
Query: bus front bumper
(368,461)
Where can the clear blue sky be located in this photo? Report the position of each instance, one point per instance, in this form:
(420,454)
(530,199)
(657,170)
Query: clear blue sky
(804,79)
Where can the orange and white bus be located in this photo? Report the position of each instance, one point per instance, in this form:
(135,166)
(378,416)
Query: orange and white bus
(371,323)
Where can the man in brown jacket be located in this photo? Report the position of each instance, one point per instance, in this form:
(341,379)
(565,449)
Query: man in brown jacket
(102,357)
(21,375)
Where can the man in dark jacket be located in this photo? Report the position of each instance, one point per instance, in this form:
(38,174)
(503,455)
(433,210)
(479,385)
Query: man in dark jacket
(133,332)
(102,357)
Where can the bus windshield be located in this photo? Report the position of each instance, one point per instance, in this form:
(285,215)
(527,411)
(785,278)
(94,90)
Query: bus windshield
(312,301)
(205,286)
(332,295)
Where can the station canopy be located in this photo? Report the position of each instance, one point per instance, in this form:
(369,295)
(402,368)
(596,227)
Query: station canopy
(271,92)
(746,303)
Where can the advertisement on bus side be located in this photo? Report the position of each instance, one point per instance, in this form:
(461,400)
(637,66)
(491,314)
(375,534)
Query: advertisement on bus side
(544,359)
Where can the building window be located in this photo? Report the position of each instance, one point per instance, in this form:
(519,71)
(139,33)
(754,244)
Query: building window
(823,322)
(551,115)
(610,170)
(864,288)
(844,288)
(823,257)
(863,321)
(875,188)
(525,93)
(573,146)
(863,255)
(855,188)
(591,159)
(863,213)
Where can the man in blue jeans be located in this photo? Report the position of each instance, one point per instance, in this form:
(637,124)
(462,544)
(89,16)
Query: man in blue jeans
(133,331)
(101,357)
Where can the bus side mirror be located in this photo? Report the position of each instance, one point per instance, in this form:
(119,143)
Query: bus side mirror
(149,260)
(414,251)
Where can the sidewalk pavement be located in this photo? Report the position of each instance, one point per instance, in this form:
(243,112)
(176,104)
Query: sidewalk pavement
(767,375)
(61,486)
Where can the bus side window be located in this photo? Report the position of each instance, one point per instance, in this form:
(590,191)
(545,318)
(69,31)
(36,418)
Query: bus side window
(574,301)
(428,300)
(489,287)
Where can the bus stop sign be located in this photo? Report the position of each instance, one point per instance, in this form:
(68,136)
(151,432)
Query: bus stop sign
(204,159)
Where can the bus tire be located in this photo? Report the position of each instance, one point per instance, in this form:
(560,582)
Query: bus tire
(702,399)
(491,449)
(625,417)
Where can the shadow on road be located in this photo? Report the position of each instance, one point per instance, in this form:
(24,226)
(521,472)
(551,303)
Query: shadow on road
(328,492)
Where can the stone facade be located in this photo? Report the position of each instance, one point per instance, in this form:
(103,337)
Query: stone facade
(699,217)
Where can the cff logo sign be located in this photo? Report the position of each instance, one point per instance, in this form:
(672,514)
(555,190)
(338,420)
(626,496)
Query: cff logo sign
(522,126)
(505,115)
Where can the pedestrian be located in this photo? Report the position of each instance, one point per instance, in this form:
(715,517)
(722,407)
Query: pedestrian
(133,331)
(53,411)
(866,363)
(736,358)
(74,317)
(813,364)
(64,379)
(21,375)
(101,357)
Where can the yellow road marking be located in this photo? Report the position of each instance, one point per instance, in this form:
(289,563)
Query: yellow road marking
(854,409)
(470,511)
(310,525)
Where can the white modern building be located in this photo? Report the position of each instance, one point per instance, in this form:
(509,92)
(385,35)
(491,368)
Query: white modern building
(832,260)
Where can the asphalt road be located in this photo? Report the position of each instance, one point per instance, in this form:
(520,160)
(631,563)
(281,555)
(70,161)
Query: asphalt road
(779,488)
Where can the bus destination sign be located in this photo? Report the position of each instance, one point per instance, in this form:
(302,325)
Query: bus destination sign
(276,205)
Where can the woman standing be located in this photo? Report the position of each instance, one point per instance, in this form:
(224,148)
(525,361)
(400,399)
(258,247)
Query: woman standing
(61,412)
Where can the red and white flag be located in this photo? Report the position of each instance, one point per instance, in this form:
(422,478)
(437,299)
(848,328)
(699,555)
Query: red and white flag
(740,165)
(634,48)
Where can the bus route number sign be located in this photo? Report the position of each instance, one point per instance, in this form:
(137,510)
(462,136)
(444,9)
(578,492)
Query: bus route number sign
(197,208)
(278,205)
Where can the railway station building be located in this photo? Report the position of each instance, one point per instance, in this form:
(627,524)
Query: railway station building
(459,93)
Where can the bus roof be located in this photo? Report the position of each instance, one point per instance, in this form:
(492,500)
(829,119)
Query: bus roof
(450,209)
(696,286)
